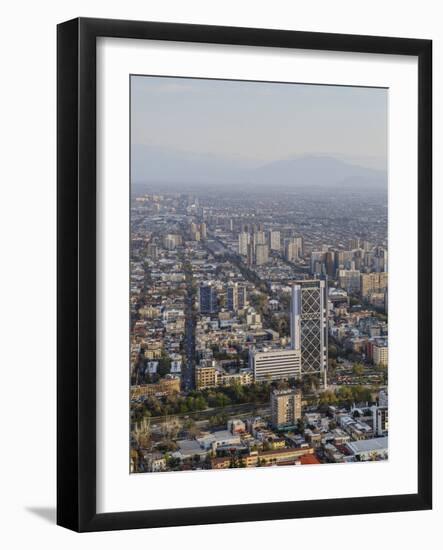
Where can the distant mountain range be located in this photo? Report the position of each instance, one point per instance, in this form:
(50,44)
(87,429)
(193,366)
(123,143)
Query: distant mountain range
(157,165)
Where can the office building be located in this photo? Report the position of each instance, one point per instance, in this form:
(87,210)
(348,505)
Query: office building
(275,364)
(235,297)
(380,259)
(330,264)
(285,408)
(349,279)
(343,258)
(317,262)
(295,317)
(207,299)
(309,324)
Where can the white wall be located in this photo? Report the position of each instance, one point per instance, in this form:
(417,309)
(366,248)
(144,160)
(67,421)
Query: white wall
(27,232)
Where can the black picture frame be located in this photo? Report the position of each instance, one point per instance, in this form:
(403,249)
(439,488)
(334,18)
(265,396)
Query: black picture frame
(76,266)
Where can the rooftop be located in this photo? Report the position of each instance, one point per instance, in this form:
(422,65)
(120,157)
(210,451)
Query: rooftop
(368,445)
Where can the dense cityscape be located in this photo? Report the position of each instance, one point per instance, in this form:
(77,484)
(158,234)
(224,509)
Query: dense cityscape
(259,333)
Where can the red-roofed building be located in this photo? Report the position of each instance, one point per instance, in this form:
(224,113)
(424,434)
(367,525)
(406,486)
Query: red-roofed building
(309,459)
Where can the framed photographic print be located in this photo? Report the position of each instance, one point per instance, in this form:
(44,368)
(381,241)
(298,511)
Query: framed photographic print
(244,274)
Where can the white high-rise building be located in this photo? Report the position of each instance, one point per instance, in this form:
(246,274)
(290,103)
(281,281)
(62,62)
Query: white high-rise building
(275,364)
(274,240)
(293,249)
(259,237)
(243,241)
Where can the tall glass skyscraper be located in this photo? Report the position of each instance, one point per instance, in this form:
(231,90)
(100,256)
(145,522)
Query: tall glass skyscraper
(309,324)
(207,299)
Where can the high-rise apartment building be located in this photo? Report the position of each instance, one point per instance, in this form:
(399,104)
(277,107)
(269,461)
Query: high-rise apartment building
(207,298)
(152,251)
(285,408)
(309,324)
(243,242)
(373,282)
(261,254)
(250,255)
(242,297)
(259,238)
(232,297)
(171,241)
(293,249)
(380,354)
(274,240)
(205,376)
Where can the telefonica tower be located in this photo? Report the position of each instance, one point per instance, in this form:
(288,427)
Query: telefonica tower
(309,325)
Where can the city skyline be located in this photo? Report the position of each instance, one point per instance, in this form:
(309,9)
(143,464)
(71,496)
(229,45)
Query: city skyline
(258,296)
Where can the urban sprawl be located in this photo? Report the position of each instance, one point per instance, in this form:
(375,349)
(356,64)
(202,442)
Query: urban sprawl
(259,332)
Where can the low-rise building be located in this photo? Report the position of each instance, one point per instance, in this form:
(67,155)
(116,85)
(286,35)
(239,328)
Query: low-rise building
(370,449)
(236,426)
(277,457)
(155,462)
(209,375)
(215,439)
(166,386)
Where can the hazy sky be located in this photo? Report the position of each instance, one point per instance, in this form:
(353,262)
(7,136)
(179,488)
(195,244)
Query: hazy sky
(259,122)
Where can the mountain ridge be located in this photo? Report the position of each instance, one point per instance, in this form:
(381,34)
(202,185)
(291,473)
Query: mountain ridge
(156,165)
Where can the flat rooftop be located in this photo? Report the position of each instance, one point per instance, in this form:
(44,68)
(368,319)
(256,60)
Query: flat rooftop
(368,445)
